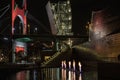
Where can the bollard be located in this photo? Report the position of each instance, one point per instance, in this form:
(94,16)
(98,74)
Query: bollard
(69,71)
(80,70)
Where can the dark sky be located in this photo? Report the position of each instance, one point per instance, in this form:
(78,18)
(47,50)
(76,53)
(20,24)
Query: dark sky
(81,10)
(38,11)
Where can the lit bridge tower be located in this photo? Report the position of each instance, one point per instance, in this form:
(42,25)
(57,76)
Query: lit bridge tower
(19,21)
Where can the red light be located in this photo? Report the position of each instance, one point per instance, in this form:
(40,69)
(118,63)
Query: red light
(19,49)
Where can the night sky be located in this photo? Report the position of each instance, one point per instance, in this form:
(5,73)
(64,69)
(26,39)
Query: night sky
(81,12)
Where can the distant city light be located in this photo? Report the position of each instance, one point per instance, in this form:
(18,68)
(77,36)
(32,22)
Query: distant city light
(5,38)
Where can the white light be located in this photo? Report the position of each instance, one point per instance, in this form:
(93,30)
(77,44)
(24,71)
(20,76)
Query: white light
(1,59)
(36,28)
(63,27)
(69,10)
(13,29)
(69,27)
(69,17)
(99,32)
(68,2)
(5,38)
(69,64)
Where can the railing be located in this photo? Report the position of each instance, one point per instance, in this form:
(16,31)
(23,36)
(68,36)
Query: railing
(51,74)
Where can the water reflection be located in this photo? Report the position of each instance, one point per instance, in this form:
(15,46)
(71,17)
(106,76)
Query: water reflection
(54,74)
